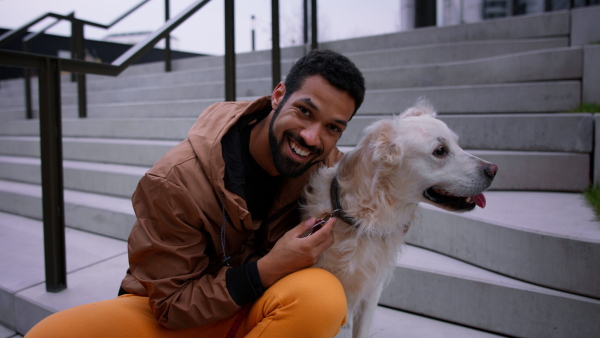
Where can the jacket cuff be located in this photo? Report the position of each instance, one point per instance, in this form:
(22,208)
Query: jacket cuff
(244,284)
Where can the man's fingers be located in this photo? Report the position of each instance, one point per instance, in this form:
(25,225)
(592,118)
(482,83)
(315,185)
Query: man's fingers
(302,227)
(324,233)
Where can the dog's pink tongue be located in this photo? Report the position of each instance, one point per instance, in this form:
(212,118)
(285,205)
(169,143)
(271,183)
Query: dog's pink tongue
(479,200)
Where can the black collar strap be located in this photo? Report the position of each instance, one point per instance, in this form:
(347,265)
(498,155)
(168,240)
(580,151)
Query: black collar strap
(335,204)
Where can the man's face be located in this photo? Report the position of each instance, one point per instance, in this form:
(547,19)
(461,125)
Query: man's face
(306,127)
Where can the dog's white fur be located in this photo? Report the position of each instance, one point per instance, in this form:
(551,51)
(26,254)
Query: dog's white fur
(381,181)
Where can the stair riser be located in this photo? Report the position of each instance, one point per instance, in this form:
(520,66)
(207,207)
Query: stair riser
(554,24)
(570,132)
(496,308)
(539,171)
(443,53)
(95,220)
(511,251)
(99,182)
(541,66)
(505,98)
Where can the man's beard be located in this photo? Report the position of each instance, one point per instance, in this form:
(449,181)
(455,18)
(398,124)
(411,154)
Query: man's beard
(286,166)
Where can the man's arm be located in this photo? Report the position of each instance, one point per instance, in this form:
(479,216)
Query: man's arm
(167,255)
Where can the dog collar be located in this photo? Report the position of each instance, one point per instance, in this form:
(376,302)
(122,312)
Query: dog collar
(335,203)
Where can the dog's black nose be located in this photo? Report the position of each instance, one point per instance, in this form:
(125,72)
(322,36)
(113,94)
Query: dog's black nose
(491,170)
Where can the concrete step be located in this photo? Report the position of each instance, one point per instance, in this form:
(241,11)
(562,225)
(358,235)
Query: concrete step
(541,171)
(98,178)
(96,266)
(8,333)
(22,290)
(545,238)
(100,214)
(545,25)
(542,97)
(557,132)
(117,161)
(527,97)
(213,77)
(100,150)
(441,287)
(210,73)
(174,129)
(401,56)
(149,93)
(546,65)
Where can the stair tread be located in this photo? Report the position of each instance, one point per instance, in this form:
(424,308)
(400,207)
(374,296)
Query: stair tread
(566,215)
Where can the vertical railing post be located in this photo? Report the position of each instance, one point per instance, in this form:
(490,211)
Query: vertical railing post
(275,49)
(314,42)
(167,40)
(229,51)
(27,78)
(305,22)
(77,53)
(52,175)
(28,104)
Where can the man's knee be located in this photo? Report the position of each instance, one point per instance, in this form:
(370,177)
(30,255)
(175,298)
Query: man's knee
(317,291)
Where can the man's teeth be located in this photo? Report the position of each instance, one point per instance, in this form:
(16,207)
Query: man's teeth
(299,150)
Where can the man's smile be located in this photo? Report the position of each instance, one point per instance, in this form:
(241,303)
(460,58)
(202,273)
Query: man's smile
(297,148)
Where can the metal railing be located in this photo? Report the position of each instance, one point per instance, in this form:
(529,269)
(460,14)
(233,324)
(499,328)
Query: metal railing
(77,50)
(49,68)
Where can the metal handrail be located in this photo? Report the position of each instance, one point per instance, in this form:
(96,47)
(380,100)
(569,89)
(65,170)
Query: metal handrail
(10,35)
(77,50)
(49,68)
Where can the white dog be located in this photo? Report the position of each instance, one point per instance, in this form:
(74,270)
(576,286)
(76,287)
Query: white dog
(399,162)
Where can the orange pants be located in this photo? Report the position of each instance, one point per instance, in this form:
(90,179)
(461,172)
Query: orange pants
(307,303)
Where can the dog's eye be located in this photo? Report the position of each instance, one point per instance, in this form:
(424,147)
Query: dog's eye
(440,151)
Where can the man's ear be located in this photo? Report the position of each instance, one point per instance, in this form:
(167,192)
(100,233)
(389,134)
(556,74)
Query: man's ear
(277,96)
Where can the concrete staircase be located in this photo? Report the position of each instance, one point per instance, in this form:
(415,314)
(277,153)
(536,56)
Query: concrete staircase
(525,266)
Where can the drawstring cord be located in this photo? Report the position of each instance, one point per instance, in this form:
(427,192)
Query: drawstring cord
(223,242)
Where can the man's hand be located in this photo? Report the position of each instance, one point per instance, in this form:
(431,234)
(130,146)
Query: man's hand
(292,252)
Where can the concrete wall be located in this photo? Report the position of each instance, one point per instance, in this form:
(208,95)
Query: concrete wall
(591,73)
(585,26)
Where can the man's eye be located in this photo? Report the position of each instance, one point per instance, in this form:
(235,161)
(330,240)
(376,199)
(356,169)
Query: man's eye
(335,128)
(305,111)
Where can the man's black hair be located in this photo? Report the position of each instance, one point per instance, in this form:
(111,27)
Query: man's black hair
(337,69)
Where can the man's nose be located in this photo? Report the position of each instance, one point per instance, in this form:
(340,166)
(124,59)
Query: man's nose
(311,134)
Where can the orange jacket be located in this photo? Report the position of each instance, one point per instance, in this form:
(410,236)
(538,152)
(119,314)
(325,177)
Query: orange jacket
(175,248)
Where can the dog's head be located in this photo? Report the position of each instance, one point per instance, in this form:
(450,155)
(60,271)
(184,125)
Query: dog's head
(415,157)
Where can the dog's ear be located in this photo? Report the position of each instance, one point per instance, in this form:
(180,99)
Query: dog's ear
(386,150)
(421,107)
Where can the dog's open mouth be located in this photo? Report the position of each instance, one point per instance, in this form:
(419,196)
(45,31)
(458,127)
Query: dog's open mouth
(456,203)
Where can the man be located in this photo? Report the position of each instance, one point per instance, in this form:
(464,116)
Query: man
(217,248)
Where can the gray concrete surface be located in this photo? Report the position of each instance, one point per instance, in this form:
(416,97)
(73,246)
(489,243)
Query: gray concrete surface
(96,266)
(585,27)
(591,74)
(425,282)
(549,239)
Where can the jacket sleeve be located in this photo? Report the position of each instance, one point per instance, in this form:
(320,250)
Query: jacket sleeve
(167,256)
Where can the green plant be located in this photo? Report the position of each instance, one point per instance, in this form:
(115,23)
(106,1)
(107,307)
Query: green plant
(585,107)
(593,197)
